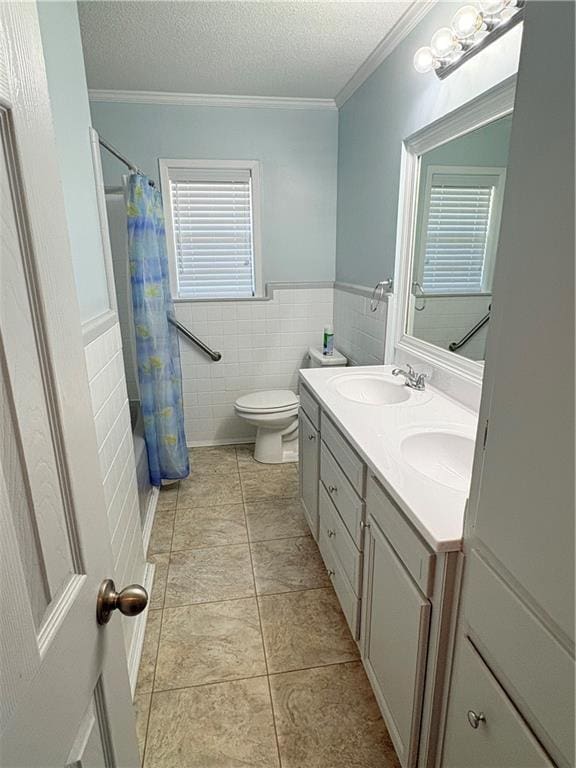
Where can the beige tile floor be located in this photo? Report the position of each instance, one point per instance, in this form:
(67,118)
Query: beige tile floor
(247,659)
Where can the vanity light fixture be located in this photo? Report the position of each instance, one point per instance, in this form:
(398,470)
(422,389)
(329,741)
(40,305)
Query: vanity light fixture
(473,28)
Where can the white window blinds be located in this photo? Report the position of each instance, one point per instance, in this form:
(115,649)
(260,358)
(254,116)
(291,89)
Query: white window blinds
(458,235)
(212,222)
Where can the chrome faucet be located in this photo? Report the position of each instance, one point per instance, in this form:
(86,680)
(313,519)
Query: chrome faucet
(413,380)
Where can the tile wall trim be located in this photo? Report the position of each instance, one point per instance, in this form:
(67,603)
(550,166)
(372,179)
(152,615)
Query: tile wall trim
(360,290)
(269,289)
(97,326)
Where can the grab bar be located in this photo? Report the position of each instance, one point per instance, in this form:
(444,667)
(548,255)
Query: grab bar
(216,356)
(472,332)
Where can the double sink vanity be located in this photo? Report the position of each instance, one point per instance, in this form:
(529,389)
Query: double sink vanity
(384,476)
(451,616)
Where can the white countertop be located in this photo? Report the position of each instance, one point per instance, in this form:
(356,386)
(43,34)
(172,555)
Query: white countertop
(376,431)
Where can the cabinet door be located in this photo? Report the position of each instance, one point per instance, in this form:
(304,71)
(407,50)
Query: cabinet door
(395,623)
(483,729)
(309,439)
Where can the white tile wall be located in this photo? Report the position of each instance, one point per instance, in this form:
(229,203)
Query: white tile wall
(447,319)
(359,333)
(263,345)
(115,449)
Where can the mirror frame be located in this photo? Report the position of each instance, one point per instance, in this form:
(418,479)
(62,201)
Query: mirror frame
(486,108)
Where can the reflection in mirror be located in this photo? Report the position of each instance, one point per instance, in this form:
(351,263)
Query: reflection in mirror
(461,187)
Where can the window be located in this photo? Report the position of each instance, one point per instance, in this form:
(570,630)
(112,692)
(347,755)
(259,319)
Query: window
(460,229)
(212,227)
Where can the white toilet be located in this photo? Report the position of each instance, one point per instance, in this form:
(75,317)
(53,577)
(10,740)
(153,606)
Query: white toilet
(274,413)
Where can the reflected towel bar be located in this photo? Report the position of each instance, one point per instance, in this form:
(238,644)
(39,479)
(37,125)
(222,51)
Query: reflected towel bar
(216,356)
(472,332)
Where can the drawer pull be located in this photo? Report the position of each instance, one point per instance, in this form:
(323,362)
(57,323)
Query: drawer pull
(330,532)
(311,437)
(330,572)
(475,719)
(332,489)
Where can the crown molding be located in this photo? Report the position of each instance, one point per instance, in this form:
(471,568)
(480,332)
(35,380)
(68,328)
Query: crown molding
(209,100)
(407,22)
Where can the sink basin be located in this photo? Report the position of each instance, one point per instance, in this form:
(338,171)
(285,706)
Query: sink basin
(445,457)
(370,389)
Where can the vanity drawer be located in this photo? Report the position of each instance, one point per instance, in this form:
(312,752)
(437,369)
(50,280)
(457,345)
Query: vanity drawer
(347,598)
(309,406)
(335,530)
(502,739)
(417,557)
(513,639)
(344,497)
(353,466)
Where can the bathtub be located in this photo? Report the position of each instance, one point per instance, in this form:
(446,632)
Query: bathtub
(141,460)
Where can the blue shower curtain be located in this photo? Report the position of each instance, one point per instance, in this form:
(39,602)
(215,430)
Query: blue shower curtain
(157,350)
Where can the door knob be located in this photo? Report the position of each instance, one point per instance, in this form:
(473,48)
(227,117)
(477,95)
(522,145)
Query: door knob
(130,601)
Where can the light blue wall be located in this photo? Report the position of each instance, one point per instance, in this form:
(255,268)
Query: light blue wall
(298,153)
(391,105)
(64,60)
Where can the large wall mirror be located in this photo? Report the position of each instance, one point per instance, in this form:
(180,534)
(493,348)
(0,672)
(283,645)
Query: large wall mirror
(454,175)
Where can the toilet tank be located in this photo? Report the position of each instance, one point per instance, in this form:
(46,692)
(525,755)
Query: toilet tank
(319,360)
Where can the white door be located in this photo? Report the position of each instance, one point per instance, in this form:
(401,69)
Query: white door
(64,692)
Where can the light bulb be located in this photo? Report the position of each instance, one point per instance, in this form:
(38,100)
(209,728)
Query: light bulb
(493,7)
(424,60)
(443,43)
(466,22)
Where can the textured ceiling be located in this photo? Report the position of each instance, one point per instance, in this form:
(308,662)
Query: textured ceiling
(298,49)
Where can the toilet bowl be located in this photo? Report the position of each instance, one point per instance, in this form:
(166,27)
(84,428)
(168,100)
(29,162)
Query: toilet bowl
(274,413)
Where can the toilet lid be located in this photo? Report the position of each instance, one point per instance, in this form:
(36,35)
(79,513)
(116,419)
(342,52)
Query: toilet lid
(268,401)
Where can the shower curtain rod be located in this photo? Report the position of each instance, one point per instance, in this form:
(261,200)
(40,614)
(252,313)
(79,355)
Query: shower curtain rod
(120,156)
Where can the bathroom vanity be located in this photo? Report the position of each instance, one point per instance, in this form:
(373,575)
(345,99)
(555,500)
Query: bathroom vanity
(383,485)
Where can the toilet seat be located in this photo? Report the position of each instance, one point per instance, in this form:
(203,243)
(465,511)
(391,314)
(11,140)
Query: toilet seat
(269,401)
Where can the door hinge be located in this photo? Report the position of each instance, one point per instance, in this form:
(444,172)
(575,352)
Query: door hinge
(485,435)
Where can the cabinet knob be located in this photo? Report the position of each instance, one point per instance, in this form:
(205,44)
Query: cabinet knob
(330,572)
(332,489)
(330,532)
(364,525)
(311,437)
(475,719)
